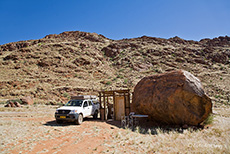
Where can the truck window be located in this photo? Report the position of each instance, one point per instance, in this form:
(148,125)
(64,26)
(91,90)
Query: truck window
(85,104)
(74,103)
(90,103)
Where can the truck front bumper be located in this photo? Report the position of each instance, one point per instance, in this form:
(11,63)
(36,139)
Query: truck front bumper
(66,117)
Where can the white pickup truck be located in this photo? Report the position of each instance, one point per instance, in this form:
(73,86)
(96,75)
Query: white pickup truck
(78,108)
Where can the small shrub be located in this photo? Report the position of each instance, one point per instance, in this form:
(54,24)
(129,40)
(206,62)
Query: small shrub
(66,95)
(121,70)
(120,76)
(108,83)
(226,103)
(80,77)
(209,120)
(125,81)
(59,104)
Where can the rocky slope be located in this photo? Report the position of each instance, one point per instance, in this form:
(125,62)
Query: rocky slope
(57,66)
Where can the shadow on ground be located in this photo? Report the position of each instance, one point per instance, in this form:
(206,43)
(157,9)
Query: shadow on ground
(143,128)
(53,123)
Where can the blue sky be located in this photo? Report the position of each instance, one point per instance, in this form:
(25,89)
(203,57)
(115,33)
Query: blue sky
(115,19)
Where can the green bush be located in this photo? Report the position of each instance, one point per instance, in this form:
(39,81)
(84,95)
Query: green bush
(120,76)
(209,120)
(66,95)
(108,83)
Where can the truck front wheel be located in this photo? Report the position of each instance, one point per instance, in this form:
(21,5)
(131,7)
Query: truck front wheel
(79,119)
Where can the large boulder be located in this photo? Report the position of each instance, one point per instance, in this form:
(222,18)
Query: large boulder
(173,98)
(27,100)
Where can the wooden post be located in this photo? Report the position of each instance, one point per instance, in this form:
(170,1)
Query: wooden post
(129,100)
(104,106)
(100,105)
(114,110)
(125,102)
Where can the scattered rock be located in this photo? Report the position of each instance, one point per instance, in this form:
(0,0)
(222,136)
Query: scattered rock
(219,41)
(69,57)
(7,105)
(44,63)
(11,57)
(27,100)
(200,60)
(178,40)
(110,52)
(221,57)
(180,60)
(17,104)
(13,104)
(174,98)
(81,61)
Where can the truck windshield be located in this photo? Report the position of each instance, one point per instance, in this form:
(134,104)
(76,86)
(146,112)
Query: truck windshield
(74,103)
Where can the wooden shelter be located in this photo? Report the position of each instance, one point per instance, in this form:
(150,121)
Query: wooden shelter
(119,100)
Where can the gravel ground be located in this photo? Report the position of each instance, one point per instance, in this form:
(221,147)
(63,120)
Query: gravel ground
(32,129)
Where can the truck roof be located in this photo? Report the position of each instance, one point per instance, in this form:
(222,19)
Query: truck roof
(82,97)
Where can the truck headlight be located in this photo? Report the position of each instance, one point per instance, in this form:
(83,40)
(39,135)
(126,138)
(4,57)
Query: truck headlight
(73,111)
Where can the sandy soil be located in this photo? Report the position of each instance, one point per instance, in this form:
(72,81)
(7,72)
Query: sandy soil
(32,129)
(36,131)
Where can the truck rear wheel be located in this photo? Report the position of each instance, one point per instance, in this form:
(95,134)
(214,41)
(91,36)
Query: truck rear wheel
(79,119)
(95,114)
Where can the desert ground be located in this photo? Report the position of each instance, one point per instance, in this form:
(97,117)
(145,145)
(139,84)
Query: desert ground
(32,129)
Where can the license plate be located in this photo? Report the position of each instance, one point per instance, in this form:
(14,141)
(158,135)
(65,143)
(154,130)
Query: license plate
(62,117)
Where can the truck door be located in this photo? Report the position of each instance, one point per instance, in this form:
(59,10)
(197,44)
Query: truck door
(86,109)
(91,110)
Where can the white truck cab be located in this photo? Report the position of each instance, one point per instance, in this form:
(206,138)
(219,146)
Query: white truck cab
(78,108)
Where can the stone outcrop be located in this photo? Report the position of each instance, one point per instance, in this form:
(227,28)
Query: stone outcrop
(13,104)
(173,98)
(88,62)
(27,100)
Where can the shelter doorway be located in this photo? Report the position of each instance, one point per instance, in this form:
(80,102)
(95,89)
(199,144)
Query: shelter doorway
(119,107)
(114,104)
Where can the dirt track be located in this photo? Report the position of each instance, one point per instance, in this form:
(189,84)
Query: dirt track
(32,129)
(37,132)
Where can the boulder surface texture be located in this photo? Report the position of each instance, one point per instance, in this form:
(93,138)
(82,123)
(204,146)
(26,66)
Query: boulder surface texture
(27,100)
(172,98)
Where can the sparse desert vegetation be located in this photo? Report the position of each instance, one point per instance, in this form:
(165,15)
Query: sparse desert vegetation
(57,66)
(32,129)
(53,68)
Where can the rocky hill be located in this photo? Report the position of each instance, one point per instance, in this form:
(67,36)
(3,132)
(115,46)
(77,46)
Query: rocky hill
(57,66)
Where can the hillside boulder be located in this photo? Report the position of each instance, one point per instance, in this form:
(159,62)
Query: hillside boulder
(172,98)
(13,104)
(27,100)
